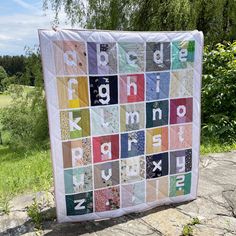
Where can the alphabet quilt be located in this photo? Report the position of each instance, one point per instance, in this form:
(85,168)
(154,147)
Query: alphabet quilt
(124,119)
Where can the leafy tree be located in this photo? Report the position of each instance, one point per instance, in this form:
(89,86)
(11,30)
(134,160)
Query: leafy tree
(216,18)
(26,119)
(13,64)
(3,76)
(219,93)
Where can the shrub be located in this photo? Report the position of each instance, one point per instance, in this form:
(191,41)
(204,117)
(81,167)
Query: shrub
(219,93)
(25,120)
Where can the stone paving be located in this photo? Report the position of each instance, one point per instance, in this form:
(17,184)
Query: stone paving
(215,207)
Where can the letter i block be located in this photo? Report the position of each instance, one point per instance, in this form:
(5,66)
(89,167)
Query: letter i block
(70,58)
(180,185)
(103,90)
(157,85)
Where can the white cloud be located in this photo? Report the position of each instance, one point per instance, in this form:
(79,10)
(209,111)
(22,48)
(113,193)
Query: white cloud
(20,30)
(25,5)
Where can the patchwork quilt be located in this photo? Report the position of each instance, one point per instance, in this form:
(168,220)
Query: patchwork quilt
(124,119)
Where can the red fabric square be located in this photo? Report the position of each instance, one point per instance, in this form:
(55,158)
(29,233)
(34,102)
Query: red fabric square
(131,88)
(105,148)
(181,110)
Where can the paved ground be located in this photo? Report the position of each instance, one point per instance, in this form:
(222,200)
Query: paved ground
(215,207)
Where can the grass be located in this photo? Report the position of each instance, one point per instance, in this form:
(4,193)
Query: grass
(5,100)
(23,171)
(213,147)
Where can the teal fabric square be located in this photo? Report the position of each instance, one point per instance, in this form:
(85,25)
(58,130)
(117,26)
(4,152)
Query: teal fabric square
(182,54)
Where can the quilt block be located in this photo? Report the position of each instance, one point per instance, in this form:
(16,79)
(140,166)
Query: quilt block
(124,119)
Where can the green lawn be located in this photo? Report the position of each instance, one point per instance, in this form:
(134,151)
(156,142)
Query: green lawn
(216,147)
(5,100)
(23,171)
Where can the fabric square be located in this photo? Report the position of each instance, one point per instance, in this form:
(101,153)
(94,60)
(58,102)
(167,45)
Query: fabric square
(180,136)
(181,110)
(181,83)
(157,113)
(102,58)
(106,174)
(75,124)
(103,90)
(107,199)
(132,169)
(156,140)
(157,165)
(158,56)
(105,120)
(157,189)
(78,180)
(180,185)
(73,92)
(131,57)
(106,148)
(132,144)
(157,85)
(180,161)
(79,204)
(76,153)
(131,88)
(70,57)
(133,194)
(183,54)
(132,117)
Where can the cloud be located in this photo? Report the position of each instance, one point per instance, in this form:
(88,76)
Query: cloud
(25,5)
(20,30)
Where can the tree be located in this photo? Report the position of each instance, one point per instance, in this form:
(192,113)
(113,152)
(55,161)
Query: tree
(3,76)
(216,18)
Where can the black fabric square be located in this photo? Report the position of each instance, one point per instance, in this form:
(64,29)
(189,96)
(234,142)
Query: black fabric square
(103,90)
(157,165)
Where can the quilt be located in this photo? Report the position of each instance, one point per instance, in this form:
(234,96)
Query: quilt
(124,119)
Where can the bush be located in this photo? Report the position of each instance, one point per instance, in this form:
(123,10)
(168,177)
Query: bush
(25,120)
(219,93)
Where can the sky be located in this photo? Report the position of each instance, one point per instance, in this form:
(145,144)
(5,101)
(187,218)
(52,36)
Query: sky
(19,22)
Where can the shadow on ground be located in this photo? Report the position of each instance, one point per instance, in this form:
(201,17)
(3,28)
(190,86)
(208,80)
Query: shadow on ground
(51,228)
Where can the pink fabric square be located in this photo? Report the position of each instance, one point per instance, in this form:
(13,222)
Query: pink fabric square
(180,136)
